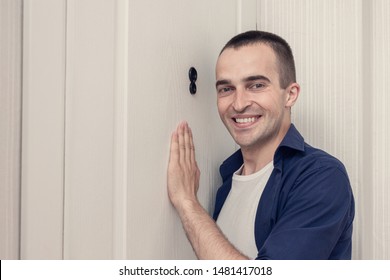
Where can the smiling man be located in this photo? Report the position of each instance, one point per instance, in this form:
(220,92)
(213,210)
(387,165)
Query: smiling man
(280,198)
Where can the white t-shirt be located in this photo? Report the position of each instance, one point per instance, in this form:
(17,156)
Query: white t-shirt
(237,217)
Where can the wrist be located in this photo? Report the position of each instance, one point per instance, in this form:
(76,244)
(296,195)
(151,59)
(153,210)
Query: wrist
(185,206)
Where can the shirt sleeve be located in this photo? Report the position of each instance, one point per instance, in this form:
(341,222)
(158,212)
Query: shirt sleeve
(315,221)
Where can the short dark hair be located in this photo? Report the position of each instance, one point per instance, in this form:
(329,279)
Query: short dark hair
(281,48)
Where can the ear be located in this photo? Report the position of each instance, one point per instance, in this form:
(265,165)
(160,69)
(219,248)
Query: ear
(292,94)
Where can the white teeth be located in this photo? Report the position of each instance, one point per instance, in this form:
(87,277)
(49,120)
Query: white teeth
(246,120)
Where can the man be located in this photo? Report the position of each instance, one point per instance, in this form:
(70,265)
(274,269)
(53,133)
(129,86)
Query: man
(280,198)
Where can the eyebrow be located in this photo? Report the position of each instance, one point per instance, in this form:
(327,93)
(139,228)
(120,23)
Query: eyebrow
(246,79)
(222,82)
(256,77)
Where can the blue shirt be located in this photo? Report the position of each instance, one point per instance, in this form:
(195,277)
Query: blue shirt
(307,207)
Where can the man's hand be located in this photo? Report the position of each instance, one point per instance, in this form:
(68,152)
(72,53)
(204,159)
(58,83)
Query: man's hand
(204,235)
(183,171)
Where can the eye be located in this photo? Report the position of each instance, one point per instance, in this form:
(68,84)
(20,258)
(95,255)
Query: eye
(257,86)
(224,90)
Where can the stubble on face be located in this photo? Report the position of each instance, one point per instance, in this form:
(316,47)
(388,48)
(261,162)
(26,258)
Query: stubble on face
(253,110)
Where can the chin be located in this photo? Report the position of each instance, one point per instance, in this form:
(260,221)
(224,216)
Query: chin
(245,143)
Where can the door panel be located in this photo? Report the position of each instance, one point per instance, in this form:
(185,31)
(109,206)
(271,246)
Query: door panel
(43,129)
(89,136)
(165,40)
(123,89)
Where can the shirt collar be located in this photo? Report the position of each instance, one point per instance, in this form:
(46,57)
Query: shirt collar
(292,140)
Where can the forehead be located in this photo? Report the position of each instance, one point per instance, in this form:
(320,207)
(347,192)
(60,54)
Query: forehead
(255,59)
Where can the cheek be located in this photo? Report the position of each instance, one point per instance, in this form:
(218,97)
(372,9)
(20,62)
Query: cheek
(222,106)
(275,103)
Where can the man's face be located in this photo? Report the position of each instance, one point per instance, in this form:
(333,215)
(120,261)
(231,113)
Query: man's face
(251,103)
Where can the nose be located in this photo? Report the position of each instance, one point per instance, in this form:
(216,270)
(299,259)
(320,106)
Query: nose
(241,100)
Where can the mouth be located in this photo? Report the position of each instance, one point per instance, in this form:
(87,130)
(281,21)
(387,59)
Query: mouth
(245,121)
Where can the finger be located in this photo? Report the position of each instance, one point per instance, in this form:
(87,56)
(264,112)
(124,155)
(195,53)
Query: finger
(174,150)
(180,133)
(192,147)
(187,143)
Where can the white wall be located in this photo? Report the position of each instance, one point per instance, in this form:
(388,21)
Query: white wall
(378,98)
(10,125)
(342,55)
(105,83)
(43,129)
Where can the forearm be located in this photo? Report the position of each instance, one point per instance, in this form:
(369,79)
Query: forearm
(204,235)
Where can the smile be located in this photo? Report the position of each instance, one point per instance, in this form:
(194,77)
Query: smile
(246,120)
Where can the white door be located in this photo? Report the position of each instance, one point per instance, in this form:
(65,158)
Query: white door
(126,88)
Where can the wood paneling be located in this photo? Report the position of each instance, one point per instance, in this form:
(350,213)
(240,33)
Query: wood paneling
(164,42)
(342,57)
(10,125)
(43,129)
(380,129)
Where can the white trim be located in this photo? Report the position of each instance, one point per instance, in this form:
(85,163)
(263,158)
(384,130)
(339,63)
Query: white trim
(120,132)
(246,15)
(10,126)
(43,129)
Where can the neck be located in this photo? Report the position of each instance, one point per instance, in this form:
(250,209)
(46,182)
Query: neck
(256,159)
(258,156)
